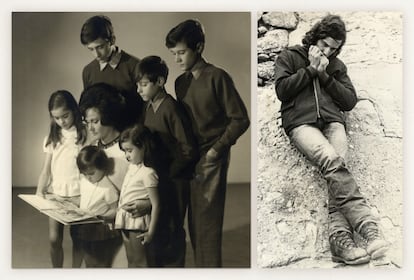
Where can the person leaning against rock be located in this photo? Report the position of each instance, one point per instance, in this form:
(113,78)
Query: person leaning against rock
(315,90)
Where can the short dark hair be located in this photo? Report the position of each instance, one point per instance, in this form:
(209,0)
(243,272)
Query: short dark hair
(330,26)
(152,67)
(92,157)
(190,32)
(97,27)
(141,137)
(107,100)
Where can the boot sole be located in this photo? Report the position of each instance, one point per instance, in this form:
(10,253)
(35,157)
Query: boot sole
(361,260)
(378,253)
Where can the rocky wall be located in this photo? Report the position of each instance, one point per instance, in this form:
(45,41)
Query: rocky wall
(291,195)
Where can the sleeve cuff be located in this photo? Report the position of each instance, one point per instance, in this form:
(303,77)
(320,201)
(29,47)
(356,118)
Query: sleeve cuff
(311,72)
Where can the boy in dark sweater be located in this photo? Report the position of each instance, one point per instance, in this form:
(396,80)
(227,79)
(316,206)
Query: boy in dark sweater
(111,65)
(218,118)
(166,120)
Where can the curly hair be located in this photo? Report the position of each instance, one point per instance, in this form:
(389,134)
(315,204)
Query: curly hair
(107,100)
(330,26)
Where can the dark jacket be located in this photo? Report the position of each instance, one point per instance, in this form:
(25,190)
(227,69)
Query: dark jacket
(294,87)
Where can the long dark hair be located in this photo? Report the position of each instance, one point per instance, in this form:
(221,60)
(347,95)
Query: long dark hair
(64,99)
(330,26)
(141,137)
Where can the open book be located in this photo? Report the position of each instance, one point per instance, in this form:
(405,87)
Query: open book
(61,210)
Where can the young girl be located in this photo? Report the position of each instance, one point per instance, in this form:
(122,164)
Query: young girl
(140,182)
(60,175)
(96,243)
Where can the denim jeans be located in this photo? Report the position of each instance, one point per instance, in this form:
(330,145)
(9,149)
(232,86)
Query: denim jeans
(326,146)
(206,210)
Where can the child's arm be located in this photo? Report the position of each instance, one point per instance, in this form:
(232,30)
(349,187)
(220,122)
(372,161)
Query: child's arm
(155,213)
(138,207)
(45,175)
(110,213)
(111,205)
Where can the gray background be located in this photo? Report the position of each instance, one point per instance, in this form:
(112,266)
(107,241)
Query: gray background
(47,55)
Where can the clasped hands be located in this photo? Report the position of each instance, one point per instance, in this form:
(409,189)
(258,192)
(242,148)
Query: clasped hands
(317,59)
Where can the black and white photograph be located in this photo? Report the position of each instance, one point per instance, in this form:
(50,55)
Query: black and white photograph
(130,139)
(330,139)
(205,140)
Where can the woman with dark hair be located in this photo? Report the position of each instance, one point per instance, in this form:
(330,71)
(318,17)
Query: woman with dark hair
(101,106)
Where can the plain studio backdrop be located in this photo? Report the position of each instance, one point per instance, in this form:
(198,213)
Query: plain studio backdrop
(47,55)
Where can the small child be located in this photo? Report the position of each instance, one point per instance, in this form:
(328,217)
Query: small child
(141,181)
(97,243)
(167,121)
(59,174)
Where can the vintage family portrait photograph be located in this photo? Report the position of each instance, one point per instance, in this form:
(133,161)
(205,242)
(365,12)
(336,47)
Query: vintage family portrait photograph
(131,139)
(330,139)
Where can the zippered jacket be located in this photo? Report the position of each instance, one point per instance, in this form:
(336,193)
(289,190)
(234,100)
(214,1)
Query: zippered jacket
(302,103)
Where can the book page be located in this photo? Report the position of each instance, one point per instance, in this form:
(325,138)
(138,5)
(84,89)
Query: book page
(60,209)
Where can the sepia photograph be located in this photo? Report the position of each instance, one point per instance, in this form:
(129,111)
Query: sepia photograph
(130,139)
(207,140)
(330,139)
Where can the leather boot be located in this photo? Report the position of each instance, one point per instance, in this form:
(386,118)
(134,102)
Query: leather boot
(376,245)
(344,249)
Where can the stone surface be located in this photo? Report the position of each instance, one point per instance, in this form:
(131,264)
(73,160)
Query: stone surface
(292,196)
(261,30)
(274,41)
(284,20)
(265,70)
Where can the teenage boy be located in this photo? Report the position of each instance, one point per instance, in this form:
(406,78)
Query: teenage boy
(111,65)
(218,118)
(314,88)
(164,118)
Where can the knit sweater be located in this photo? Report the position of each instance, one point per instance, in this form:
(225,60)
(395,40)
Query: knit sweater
(217,113)
(174,133)
(124,78)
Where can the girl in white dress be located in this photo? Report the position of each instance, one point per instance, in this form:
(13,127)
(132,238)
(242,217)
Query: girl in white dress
(60,175)
(140,182)
(97,243)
